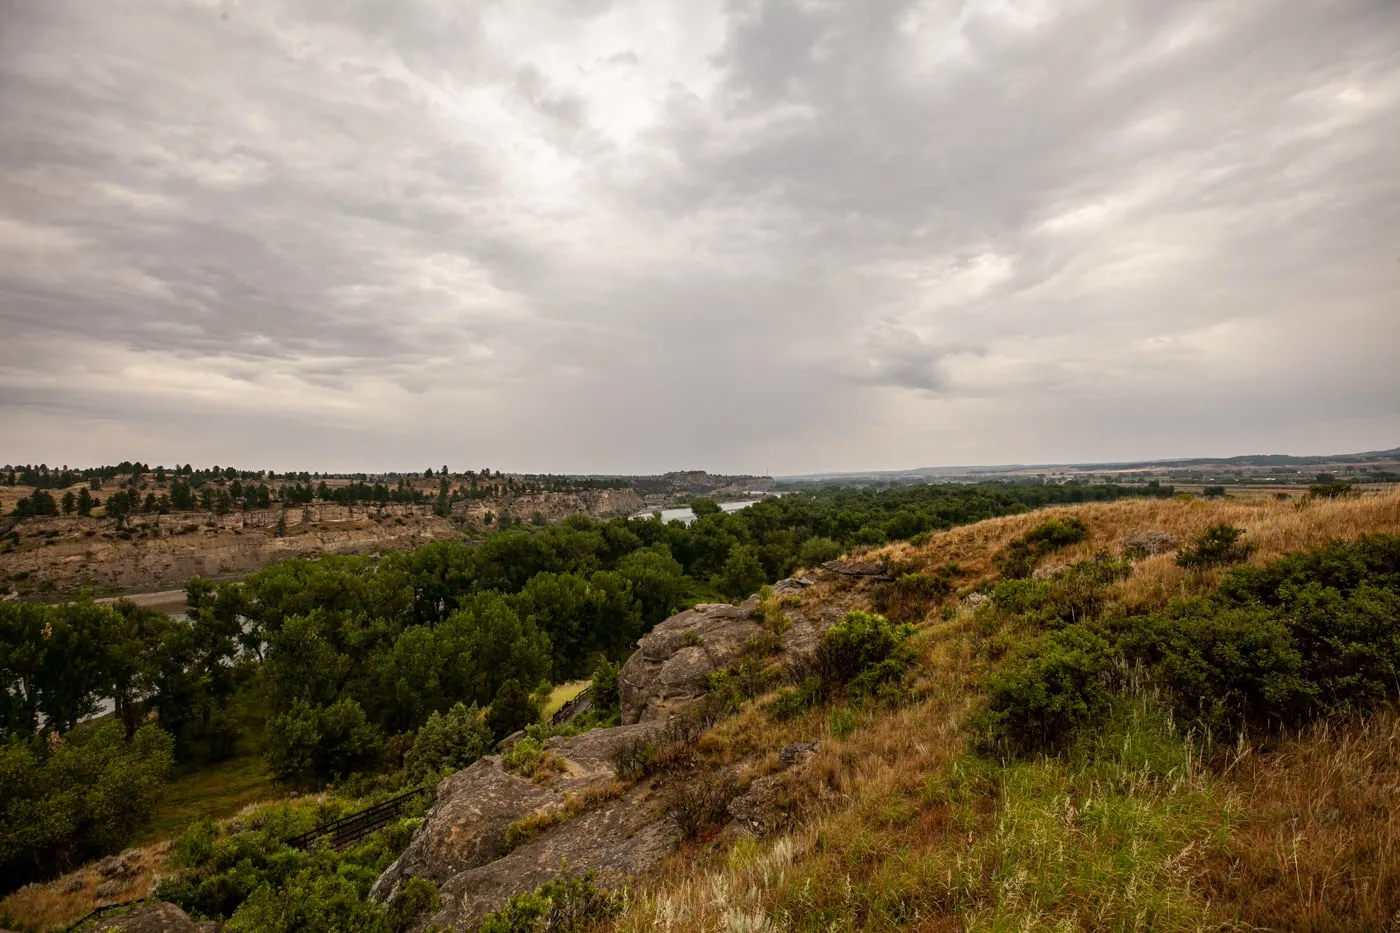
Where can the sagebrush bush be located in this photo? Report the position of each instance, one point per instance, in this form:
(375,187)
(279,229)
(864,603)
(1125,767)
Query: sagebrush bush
(1053,685)
(861,652)
(1148,543)
(631,759)
(699,801)
(1305,636)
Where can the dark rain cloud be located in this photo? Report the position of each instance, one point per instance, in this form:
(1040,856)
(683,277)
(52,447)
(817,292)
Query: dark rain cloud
(777,236)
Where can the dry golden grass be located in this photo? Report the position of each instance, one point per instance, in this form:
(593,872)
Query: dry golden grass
(56,904)
(897,829)
(866,779)
(1274,528)
(1318,845)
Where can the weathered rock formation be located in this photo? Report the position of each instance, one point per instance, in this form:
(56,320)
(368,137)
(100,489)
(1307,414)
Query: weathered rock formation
(64,553)
(865,569)
(159,917)
(461,844)
(667,672)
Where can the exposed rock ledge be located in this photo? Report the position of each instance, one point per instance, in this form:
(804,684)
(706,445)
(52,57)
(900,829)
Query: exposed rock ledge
(666,674)
(461,843)
(158,917)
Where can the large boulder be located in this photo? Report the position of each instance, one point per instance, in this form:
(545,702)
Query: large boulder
(467,825)
(668,671)
(616,841)
(620,831)
(461,844)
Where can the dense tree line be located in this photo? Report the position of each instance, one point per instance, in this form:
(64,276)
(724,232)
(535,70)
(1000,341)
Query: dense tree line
(221,491)
(333,663)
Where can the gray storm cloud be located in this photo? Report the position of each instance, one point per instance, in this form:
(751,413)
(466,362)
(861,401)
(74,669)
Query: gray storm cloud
(770,236)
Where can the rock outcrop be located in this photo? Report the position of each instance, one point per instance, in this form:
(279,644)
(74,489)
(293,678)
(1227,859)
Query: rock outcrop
(159,917)
(461,844)
(667,672)
(616,841)
(586,819)
(865,569)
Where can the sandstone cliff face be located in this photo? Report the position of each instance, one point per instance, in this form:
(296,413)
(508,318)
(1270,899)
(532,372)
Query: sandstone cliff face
(554,506)
(63,554)
(104,559)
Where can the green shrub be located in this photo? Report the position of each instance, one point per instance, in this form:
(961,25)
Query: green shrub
(606,698)
(64,800)
(862,651)
(1075,594)
(195,844)
(911,595)
(1334,489)
(792,702)
(1225,666)
(1019,558)
(448,742)
(1218,546)
(255,881)
(571,905)
(1052,686)
(727,689)
(1339,565)
(417,897)
(523,757)
(1305,635)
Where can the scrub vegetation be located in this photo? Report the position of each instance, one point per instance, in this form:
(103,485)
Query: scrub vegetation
(1036,721)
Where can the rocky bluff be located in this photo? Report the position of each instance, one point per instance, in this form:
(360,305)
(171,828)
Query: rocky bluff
(584,815)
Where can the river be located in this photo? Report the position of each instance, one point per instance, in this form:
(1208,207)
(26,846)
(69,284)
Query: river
(687,516)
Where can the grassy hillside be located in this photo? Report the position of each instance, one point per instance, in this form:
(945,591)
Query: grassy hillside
(996,773)
(1139,822)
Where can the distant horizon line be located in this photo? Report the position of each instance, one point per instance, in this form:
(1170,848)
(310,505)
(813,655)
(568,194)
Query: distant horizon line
(816,474)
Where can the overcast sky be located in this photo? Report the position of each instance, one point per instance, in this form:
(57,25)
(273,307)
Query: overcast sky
(778,237)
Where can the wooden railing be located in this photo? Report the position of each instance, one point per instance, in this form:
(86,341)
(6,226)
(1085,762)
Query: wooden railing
(574,708)
(342,832)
